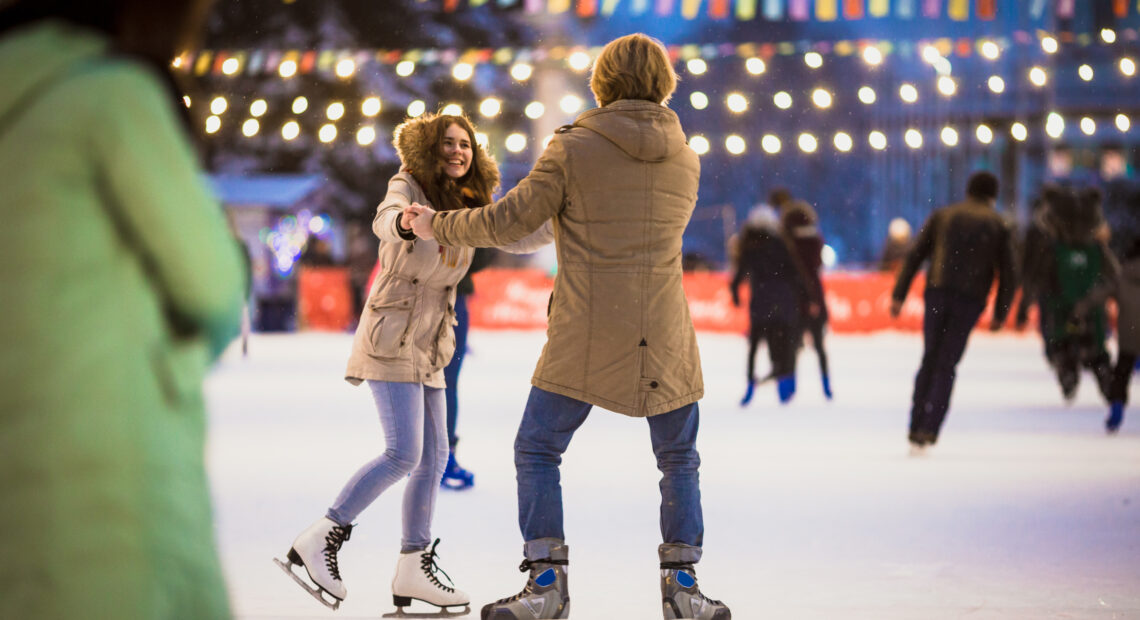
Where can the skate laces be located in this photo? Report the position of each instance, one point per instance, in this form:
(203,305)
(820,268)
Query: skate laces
(693,573)
(333,541)
(430,568)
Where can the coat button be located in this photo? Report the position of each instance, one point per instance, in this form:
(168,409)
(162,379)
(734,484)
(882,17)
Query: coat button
(447,288)
(653,384)
(415,280)
(410,248)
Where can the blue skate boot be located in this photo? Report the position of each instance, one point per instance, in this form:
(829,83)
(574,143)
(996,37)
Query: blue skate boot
(454,476)
(748,393)
(827,387)
(680,595)
(786,388)
(1115,417)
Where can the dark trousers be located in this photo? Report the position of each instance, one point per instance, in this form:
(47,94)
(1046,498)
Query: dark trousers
(816,326)
(451,371)
(1125,364)
(783,341)
(549,422)
(946,329)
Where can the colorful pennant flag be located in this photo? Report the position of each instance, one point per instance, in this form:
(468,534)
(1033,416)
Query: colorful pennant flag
(1065,8)
(880,8)
(773,9)
(798,10)
(959,10)
(826,10)
(931,8)
(987,9)
(852,9)
(905,8)
(745,10)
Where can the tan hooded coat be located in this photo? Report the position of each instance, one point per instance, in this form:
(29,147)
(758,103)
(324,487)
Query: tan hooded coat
(406,331)
(620,186)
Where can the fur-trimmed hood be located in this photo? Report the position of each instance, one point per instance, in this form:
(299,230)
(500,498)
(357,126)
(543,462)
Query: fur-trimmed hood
(418,156)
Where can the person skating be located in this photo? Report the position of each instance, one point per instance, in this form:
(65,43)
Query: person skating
(122,284)
(801,226)
(1067,266)
(620,186)
(967,244)
(455,476)
(404,339)
(777,294)
(1126,290)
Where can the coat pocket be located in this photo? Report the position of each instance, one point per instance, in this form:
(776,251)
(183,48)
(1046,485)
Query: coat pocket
(444,347)
(388,329)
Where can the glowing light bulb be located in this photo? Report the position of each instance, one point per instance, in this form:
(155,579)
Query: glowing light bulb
(996,84)
(700,144)
(770,144)
(452,109)
(416,108)
(516,142)
(872,56)
(250,127)
(984,134)
(335,111)
(807,143)
(735,144)
(843,142)
(290,130)
(782,100)
(534,110)
(287,68)
(365,136)
(990,50)
(813,60)
(327,133)
(867,95)
(490,107)
(218,105)
(1049,44)
(370,106)
(462,71)
(1088,126)
(821,98)
(1038,76)
(213,124)
(579,61)
(1123,122)
(755,66)
(1018,131)
(1054,125)
(697,66)
(913,138)
(345,67)
(258,108)
(908,93)
(230,66)
(698,100)
(570,104)
(1108,35)
(404,68)
(1128,67)
(521,71)
(736,103)
(300,104)
(877,140)
(949,136)
(1086,72)
(947,86)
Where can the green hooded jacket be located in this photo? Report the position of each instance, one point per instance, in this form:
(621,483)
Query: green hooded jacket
(109,240)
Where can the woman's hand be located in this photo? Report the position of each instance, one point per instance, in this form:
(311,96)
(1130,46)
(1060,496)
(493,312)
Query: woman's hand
(419,218)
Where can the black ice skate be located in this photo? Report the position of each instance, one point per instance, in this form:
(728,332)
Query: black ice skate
(680,595)
(316,550)
(416,579)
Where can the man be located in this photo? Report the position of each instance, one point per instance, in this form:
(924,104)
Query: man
(966,244)
(620,186)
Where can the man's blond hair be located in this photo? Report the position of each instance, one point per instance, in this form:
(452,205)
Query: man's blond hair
(633,67)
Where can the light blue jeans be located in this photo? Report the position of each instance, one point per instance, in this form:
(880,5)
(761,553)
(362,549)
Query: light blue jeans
(414,419)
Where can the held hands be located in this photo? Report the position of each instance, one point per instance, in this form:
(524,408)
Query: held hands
(418,217)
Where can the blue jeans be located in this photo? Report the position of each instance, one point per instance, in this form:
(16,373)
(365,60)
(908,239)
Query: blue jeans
(451,371)
(412,416)
(549,422)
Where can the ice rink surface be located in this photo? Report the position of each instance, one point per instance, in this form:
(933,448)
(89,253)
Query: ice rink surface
(813,511)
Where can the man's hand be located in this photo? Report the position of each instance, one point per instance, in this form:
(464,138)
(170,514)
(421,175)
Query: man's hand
(420,218)
(896,308)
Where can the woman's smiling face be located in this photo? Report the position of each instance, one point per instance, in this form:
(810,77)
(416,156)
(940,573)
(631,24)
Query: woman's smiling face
(457,151)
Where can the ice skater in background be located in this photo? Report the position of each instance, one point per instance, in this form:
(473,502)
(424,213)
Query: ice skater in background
(967,244)
(801,226)
(1063,270)
(620,186)
(404,340)
(1126,290)
(777,294)
(454,476)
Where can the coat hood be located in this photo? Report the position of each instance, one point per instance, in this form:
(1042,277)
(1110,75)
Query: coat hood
(416,153)
(642,129)
(33,55)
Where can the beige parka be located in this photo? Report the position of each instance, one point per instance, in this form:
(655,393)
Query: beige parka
(620,185)
(406,331)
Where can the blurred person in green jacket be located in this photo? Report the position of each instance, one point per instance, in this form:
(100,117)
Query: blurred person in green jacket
(121,284)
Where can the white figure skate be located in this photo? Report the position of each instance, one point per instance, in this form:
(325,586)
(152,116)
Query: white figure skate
(316,550)
(417,579)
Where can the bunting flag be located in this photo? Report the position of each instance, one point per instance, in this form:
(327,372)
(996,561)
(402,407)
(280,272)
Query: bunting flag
(558,6)
(450,5)
(798,10)
(745,10)
(1065,8)
(826,10)
(987,9)
(534,6)
(773,9)
(587,8)
(852,9)
(959,10)
(880,8)
(1120,7)
(664,7)
(905,8)
(690,8)
(931,8)
(609,6)
(640,6)
(718,9)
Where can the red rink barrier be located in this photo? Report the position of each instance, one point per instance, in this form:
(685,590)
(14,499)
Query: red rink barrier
(324,301)
(858,302)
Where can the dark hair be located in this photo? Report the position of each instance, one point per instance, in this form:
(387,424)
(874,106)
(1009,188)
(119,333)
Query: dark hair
(1133,250)
(779,196)
(155,30)
(982,185)
(444,192)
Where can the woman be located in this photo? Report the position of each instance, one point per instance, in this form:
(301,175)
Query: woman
(404,340)
(620,186)
(121,284)
(801,226)
(777,296)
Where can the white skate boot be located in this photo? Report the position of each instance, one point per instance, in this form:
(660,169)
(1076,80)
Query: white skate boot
(316,550)
(417,578)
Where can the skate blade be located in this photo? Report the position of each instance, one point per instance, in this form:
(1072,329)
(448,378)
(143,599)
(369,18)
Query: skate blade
(442,612)
(456,485)
(314,592)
